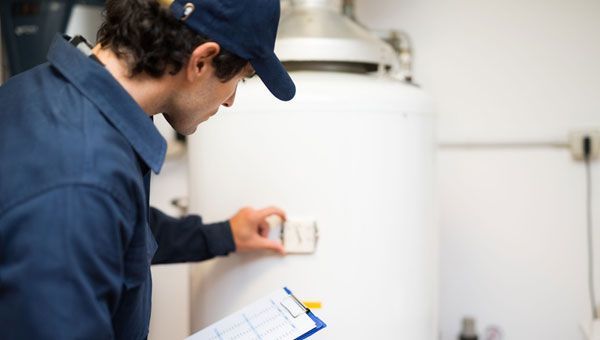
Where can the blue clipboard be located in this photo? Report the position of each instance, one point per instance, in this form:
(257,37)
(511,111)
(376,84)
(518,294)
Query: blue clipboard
(319,324)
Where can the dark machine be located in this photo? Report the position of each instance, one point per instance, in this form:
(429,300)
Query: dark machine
(28,27)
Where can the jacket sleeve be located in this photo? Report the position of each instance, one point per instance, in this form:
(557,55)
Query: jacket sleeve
(61,265)
(188,239)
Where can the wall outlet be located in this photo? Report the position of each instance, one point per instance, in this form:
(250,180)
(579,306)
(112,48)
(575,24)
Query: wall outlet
(576,143)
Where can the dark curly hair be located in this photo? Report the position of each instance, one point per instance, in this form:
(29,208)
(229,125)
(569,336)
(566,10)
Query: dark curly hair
(153,41)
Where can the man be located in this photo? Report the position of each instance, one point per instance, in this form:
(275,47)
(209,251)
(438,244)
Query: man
(77,145)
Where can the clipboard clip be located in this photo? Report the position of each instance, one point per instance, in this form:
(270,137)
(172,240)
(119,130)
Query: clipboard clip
(293,306)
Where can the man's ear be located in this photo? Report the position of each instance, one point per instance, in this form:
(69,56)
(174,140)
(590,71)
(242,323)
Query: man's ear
(200,62)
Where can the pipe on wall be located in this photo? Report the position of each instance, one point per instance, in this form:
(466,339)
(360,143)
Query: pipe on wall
(399,40)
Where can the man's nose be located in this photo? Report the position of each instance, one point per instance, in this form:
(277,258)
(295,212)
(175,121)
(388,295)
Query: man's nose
(230,100)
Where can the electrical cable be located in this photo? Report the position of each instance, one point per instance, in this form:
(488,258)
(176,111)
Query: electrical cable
(588,169)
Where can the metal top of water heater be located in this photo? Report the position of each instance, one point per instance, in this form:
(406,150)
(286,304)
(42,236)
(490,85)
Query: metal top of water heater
(317,31)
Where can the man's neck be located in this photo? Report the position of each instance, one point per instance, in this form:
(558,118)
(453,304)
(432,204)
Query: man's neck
(151,94)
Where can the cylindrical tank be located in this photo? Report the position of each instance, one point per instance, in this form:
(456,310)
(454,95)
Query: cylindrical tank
(353,152)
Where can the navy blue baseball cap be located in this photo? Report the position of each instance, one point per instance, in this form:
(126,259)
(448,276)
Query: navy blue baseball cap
(247,28)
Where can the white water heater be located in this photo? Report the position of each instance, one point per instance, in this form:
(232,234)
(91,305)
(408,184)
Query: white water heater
(353,153)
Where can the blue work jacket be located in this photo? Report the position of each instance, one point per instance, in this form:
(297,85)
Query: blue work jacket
(77,236)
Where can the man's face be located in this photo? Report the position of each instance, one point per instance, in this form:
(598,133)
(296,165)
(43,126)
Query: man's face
(195,102)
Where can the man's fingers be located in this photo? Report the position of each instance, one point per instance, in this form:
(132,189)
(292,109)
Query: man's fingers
(266,212)
(275,246)
(264,228)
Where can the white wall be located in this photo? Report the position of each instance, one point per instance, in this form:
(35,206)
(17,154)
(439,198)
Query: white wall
(513,242)
(502,69)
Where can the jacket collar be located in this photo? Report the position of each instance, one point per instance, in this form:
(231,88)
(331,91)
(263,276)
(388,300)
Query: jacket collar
(102,89)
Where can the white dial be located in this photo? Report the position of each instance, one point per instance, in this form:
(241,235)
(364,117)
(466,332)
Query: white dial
(300,237)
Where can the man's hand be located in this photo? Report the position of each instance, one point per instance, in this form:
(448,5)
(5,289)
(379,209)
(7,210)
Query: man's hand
(251,230)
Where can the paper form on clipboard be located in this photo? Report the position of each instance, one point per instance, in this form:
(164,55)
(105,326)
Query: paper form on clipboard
(277,316)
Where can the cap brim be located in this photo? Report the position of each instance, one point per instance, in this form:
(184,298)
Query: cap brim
(275,77)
